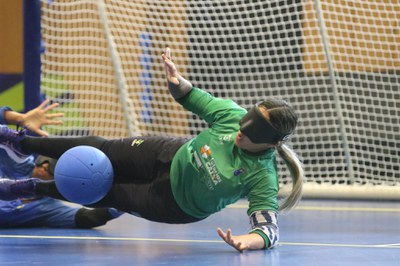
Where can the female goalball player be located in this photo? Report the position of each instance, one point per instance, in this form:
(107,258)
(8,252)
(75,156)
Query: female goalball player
(176,180)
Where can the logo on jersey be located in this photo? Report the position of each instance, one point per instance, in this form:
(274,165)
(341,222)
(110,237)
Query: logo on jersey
(209,165)
(238,171)
(205,151)
(137,142)
(225,138)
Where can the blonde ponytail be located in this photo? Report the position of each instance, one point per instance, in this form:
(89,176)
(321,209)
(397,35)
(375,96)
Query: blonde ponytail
(297,174)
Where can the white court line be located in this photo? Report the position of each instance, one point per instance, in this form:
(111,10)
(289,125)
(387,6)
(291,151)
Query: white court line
(340,245)
(111,238)
(396,245)
(391,246)
(329,208)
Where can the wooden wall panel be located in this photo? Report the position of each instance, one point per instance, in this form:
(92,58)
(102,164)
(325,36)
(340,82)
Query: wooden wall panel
(11,53)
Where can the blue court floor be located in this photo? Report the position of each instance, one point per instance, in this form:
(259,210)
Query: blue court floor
(315,233)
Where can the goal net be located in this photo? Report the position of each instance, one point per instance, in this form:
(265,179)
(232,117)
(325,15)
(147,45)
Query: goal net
(336,61)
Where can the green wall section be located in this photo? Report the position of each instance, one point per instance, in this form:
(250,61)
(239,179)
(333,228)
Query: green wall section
(13,97)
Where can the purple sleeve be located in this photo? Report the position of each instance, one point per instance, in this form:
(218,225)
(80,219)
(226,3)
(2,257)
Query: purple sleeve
(2,118)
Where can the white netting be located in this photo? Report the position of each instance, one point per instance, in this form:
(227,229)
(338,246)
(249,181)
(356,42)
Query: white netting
(336,61)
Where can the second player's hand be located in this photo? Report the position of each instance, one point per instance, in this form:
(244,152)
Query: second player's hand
(35,118)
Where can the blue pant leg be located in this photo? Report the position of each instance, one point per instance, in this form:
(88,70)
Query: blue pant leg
(45,212)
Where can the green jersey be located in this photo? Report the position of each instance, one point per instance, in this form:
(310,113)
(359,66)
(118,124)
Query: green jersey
(209,172)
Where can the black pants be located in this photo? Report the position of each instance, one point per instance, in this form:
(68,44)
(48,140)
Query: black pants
(141,173)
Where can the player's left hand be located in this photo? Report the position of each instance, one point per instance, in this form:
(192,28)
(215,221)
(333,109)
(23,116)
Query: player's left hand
(234,241)
(170,69)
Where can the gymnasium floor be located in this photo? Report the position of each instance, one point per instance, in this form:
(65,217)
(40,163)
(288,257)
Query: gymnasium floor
(316,233)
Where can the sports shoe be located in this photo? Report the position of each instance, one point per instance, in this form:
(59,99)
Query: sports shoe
(10,141)
(17,189)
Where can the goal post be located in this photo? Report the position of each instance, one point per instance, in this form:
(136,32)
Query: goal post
(336,61)
(31,54)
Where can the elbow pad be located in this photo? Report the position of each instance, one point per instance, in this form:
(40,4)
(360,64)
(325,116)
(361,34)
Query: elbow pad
(265,223)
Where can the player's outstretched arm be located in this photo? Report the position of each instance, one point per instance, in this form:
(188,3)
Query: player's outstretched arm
(177,85)
(35,118)
(242,242)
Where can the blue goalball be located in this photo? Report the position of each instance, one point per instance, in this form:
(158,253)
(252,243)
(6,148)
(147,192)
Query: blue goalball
(83,175)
